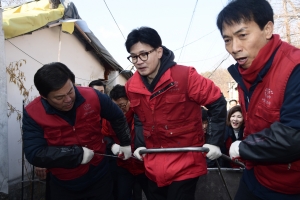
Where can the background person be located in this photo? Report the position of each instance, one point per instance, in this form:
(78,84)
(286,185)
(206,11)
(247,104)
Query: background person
(232,103)
(234,131)
(166,98)
(205,124)
(98,85)
(267,72)
(61,132)
(129,171)
(205,119)
(112,161)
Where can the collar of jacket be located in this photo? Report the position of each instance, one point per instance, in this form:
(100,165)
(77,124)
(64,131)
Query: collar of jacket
(166,61)
(79,99)
(250,75)
(137,85)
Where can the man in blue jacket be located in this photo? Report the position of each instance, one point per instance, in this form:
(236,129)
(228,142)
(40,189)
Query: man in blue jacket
(62,132)
(267,72)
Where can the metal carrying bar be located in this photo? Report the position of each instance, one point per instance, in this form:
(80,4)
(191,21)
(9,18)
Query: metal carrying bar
(200,149)
(187,149)
(177,149)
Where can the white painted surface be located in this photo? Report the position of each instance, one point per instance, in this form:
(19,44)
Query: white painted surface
(3,117)
(43,47)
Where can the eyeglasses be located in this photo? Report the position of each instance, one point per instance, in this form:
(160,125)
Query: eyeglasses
(143,56)
(123,105)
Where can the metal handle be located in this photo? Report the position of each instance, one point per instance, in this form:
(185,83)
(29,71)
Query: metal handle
(236,161)
(186,149)
(168,150)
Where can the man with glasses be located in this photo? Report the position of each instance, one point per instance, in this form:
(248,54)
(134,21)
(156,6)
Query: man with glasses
(61,132)
(131,171)
(166,97)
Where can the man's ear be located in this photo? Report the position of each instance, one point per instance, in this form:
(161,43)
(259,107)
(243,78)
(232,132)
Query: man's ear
(43,97)
(160,52)
(269,28)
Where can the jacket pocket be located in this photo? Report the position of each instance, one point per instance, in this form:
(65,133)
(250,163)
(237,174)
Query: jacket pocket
(135,104)
(267,114)
(91,129)
(148,138)
(175,107)
(53,137)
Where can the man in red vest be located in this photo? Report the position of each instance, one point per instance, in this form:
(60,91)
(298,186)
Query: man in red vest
(167,97)
(132,171)
(62,132)
(267,72)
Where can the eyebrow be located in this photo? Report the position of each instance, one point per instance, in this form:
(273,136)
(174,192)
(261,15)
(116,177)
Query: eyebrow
(237,32)
(63,94)
(143,51)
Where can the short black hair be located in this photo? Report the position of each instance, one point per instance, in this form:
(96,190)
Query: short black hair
(97,82)
(118,92)
(144,35)
(51,77)
(238,11)
(232,101)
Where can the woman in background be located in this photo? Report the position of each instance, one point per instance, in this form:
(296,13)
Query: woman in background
(234,131)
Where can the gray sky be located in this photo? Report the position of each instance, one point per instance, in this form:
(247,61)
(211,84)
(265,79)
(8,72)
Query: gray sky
(178,22)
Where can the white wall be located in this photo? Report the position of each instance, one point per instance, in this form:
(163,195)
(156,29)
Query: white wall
(3,117)
(42,45)
(114,78)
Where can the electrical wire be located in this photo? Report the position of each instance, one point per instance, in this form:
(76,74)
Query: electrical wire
(219,65)
(109,81)
(25,53)
(36,59)
(188,29)
(124,39)
(195,40)
(202,59)
(114,19)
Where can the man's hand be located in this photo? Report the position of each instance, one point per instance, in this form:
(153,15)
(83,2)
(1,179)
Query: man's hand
(115,148)
(214,151)
(41,173)
(88,154)
(234,150)
(137,154)
(125,152)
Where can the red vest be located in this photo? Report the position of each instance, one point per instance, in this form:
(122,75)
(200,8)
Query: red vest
(170,119)
(134,166)
(85,132)
(264,108)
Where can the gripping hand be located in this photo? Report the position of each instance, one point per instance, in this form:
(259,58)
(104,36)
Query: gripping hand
(115,149)
(125,152)
(234,150)
(88,154)
(214,151)
(137,154)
